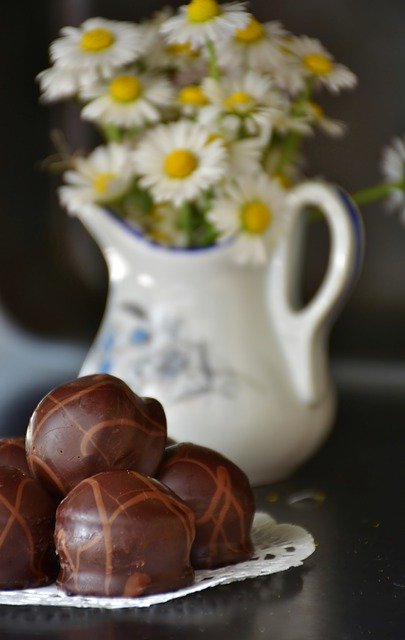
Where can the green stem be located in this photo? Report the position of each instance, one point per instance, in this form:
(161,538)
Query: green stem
(185,221)
(378,192)
(289,151)
(213,61)
(112,133)
(292,141)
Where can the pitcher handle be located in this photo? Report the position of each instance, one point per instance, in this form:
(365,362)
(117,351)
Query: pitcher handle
(302,333)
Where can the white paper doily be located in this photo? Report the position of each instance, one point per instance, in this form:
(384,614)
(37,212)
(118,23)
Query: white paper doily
(277,547)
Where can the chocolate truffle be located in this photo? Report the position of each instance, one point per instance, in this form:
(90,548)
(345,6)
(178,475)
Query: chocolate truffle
(221,498)
(12,454)
(92,424)
(121,533)
(27,518)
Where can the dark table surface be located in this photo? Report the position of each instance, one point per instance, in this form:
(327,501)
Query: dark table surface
(350,496)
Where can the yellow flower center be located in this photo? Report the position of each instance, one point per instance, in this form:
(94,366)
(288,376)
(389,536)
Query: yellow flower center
(96,40)
(252,33)
(183,49)
(125,88)
(256,217)
(180,163)
(237,100)
(215,136)
(318,64)
(283,180)
(316,110)
(193,95)
(203,10)
(161,237)
(102,182)
(286,42)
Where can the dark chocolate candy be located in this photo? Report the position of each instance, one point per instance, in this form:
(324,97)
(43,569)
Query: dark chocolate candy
(12,454)
(27,518)
(221,498)
(121,533)
(93,424)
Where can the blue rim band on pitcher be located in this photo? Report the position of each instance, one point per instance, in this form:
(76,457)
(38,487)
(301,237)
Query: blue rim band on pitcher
(358,229)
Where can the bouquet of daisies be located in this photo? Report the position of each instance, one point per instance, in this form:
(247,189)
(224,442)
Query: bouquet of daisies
(201,115)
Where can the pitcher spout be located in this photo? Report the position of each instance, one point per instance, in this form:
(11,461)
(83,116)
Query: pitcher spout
(102,225)
(112,236)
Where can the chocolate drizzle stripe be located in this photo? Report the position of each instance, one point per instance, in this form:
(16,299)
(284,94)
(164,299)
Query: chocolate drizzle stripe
(13,442)
(106,525)
(60,543)
(106,424)
(160,428)
(131,502)
(72,398)
(175,507)
(78,425)
(15,515)
(178,457)
(224,485)
(218,492)
(152,493)
(222,500)
(51,474)
(220,488)
(217,495)
(224,490)
(64,552)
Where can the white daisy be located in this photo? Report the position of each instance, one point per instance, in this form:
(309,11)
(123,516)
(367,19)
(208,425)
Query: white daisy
(127,100)
(287,122)
(178,57)
(176,164)
(159,224)
(291,173)
(203,20)
(191,99)
(97,47)
(104,176)
(317,117)
(162,226)
(150,30)
(257,46)
(288,74)
(58,84)
(159,54)
(393,170)
(317,63)
(252,213)
(244,156)
(246,101)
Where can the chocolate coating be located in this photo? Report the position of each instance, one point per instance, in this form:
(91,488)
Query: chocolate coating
(92,424)
(219,494)
(12,454)
(121,533)
(27,517)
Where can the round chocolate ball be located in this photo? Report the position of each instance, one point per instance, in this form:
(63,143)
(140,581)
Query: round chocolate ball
(12,454)
(219,494)
(92,424)
(121,533)
(27,518)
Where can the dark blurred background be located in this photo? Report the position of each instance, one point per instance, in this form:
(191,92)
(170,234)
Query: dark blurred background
(53,281)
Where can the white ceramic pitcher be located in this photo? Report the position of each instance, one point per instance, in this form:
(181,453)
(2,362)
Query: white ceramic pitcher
(235,366)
